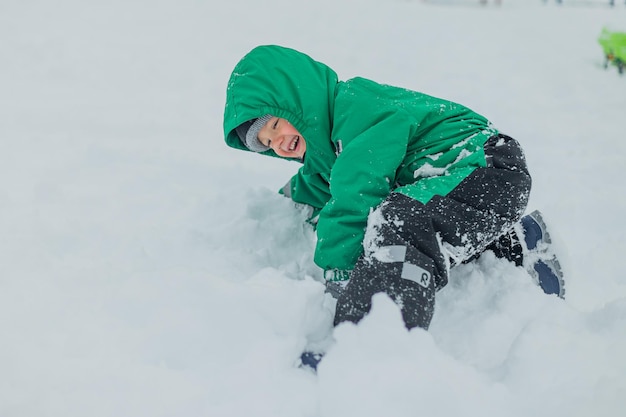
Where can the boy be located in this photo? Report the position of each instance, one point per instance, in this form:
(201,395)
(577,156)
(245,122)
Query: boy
(404,185)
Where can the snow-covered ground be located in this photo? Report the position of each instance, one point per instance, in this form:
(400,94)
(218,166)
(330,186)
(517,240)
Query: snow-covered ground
(148,270)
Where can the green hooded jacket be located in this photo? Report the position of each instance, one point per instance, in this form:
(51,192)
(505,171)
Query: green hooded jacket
(363,140)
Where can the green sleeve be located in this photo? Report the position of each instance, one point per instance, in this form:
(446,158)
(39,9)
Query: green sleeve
(361,178)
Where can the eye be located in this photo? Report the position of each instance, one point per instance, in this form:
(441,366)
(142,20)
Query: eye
(275,125)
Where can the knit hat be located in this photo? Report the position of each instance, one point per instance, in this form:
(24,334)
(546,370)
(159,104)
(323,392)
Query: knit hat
(248,132)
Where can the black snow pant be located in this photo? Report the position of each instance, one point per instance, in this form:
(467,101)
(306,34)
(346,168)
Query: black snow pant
(410,246)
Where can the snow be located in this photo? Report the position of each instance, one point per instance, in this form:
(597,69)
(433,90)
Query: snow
(146,269)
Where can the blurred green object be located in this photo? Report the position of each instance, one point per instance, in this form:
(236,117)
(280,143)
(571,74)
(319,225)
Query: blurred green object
(614,47)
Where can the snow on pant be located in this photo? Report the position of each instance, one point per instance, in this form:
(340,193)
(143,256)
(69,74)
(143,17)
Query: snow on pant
(410,246)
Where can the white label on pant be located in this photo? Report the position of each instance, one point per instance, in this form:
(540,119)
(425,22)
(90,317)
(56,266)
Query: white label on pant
(416,274)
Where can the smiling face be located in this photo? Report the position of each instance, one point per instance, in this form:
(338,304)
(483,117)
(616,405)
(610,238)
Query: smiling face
(283,138)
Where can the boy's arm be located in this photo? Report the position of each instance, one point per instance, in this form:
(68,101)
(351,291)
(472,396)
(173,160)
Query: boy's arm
(362,177)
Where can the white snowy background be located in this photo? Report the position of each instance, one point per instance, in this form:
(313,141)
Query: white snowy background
(146,269)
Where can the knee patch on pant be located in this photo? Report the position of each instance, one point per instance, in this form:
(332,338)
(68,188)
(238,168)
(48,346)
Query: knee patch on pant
(393,267)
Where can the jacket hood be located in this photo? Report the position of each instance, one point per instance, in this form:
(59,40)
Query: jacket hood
(288,84)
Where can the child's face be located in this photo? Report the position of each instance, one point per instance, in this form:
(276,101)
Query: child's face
(283,138)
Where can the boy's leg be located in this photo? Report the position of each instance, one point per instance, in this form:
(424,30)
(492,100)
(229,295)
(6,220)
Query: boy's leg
(410,246)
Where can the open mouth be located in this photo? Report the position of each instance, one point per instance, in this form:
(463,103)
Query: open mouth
(294,144)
